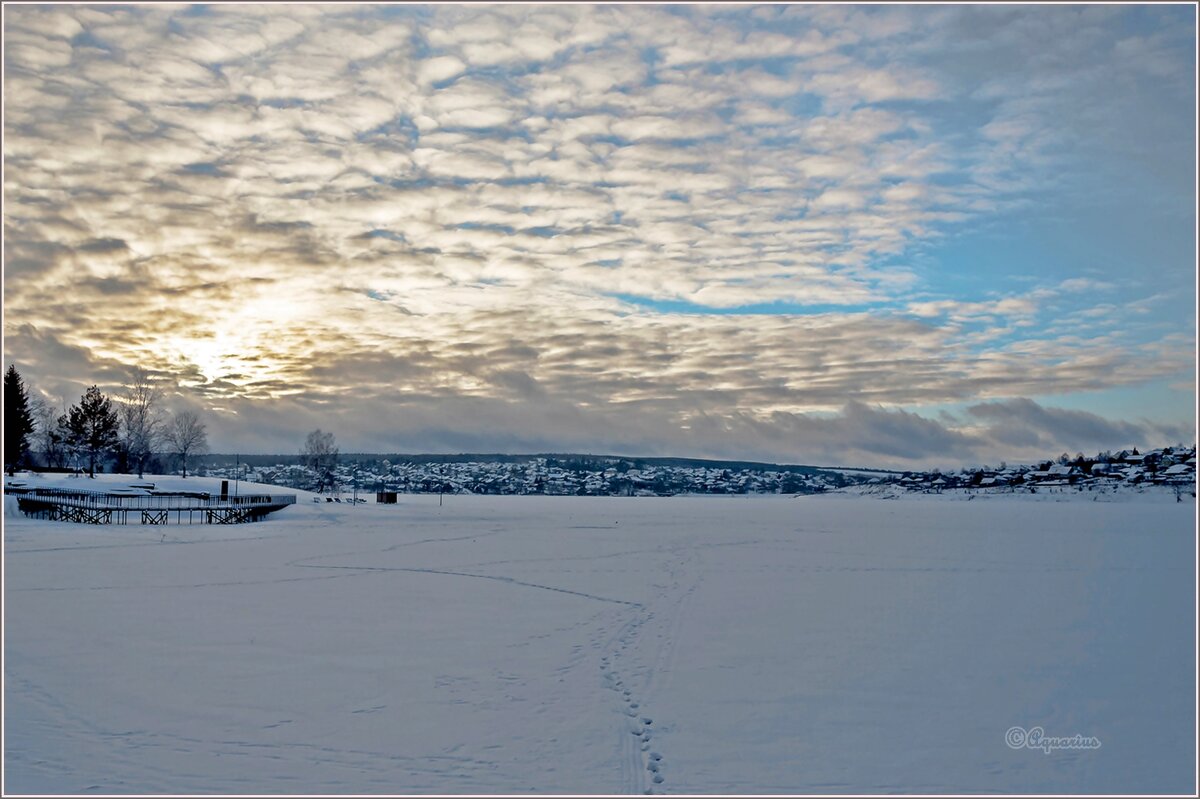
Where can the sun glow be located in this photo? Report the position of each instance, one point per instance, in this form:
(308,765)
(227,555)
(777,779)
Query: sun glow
(207,355)
(238,354)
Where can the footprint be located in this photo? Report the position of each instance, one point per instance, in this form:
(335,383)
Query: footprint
(653,766)
(647,720)
(658,778)
(655,756)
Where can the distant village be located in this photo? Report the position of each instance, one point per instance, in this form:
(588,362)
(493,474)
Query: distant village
(1169,466)
(538,475)
(612,476)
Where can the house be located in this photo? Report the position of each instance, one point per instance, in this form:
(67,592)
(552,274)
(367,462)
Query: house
(1179,474)
(1135,475)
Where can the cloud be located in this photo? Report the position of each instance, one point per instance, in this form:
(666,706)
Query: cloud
(439,68)
(555,220)
(1024,424)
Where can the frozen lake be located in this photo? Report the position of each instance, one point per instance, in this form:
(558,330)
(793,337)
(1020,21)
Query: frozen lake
(677,645)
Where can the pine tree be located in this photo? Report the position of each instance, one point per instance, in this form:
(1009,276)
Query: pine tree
(93,426)
(18,419)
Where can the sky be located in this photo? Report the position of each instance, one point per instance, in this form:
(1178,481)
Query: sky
(829,234)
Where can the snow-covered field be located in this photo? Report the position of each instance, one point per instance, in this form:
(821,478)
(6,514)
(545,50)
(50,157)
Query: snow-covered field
(679,645)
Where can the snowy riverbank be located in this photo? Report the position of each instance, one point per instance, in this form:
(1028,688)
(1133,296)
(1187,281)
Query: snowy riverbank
(687,644)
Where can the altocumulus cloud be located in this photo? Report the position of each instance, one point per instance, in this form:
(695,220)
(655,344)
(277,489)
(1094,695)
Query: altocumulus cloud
(686,230)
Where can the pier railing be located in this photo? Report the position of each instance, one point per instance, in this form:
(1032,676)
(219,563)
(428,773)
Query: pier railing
(103,507)
(102,500)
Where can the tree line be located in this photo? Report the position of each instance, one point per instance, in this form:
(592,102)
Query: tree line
(131,427)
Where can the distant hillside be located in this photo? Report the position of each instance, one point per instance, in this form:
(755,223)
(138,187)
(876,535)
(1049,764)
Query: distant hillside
(566,459)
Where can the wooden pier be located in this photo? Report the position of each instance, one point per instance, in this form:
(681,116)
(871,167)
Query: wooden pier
(100,507)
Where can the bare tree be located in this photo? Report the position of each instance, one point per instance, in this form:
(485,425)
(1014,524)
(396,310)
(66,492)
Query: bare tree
(142,422)
(186,435)
(50,435)
(320,455)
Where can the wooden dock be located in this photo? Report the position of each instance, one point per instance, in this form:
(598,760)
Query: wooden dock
(101,507)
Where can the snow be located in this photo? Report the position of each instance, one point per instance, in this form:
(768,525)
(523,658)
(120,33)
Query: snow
(573,644)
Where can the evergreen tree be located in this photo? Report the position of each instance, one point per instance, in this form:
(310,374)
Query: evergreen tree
(18,419)
(92,426)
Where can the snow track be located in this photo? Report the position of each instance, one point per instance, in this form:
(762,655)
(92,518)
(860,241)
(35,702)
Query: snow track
(509,580)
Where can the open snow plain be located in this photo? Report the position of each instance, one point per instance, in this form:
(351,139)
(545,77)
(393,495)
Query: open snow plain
(677,645)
